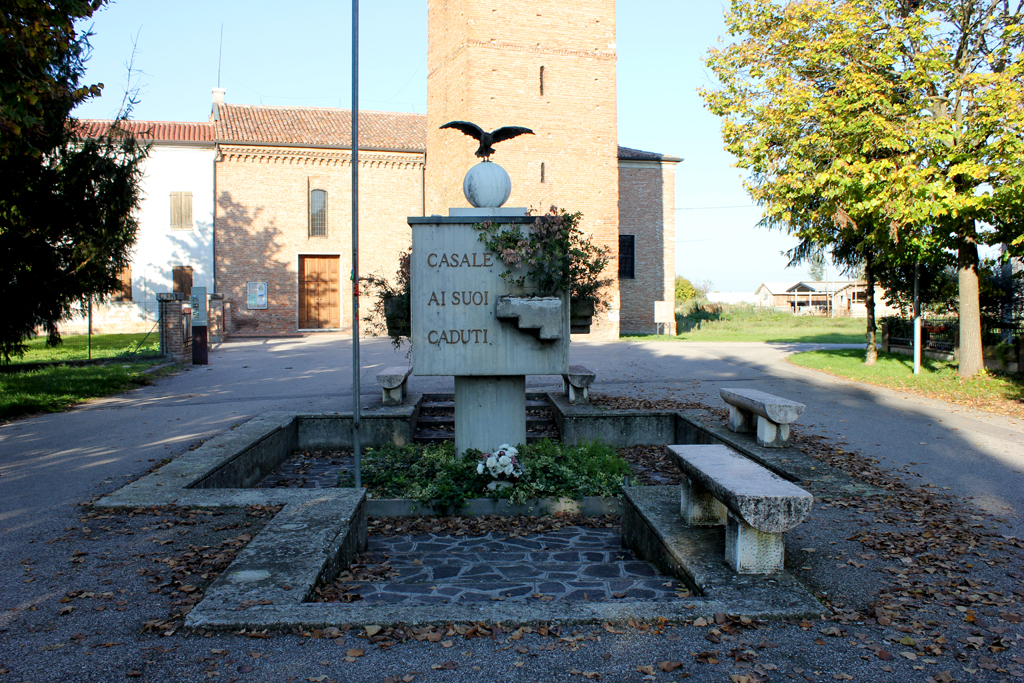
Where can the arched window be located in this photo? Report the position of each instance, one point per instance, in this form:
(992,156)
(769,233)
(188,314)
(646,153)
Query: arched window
(318,213)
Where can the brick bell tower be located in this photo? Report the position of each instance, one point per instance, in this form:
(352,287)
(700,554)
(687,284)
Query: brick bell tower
(548,65)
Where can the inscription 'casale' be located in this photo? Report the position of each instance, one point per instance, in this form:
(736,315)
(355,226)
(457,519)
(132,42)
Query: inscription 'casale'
(474,260)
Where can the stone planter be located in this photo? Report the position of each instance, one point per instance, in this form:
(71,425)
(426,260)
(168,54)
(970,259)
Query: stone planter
(581,315)
(396,315)
(538,315)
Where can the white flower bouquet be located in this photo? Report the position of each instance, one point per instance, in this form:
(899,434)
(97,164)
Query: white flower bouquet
(501,463)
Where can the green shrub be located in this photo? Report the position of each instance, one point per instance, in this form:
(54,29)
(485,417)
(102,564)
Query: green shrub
(684,289)
(433,474)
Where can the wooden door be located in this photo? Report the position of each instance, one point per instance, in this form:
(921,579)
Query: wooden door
(319,292)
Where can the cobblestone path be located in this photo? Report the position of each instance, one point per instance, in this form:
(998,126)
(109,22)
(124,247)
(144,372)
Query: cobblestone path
(571,564)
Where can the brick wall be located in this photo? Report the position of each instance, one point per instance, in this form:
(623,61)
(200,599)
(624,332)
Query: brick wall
(647,211)
(262,224)
(484,63)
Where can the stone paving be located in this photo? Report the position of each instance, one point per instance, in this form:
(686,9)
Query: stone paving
(572,564)
(309,470)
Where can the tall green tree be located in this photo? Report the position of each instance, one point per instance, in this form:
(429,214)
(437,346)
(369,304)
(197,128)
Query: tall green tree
(905,117)
(66,202)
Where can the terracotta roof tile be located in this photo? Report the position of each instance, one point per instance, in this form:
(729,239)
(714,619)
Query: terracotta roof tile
(177,131)
(319,126)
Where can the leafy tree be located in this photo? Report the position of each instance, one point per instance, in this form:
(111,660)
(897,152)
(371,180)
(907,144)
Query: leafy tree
(816,265)
(703,287)
(66,225)
(901,117)
(684,289)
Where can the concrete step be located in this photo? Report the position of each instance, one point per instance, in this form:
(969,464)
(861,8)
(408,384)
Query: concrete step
(437,436)
(449,404)
(429,421)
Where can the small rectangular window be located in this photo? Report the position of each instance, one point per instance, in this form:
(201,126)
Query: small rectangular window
(627,254)
(124,292)
(542,179)
(318,213)
(181,211)
(542,81)
(182,279)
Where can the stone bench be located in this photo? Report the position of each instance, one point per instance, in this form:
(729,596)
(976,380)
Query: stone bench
(394,382)
(576,384)
(773,415)
(757,506)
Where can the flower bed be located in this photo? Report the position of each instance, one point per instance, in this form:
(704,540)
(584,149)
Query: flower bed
(548,469)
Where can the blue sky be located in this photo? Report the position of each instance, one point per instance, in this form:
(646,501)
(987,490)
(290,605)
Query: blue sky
(298,54)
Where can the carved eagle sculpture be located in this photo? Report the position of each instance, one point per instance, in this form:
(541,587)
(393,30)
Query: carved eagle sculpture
(487,140)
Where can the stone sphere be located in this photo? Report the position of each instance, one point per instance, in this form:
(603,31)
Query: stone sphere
(487,185)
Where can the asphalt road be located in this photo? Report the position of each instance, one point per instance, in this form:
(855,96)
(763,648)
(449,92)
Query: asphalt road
(51,464)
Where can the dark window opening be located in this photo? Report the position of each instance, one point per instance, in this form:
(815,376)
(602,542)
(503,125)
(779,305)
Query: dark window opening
(542,81)
(318,213)
(124,291)
(182,279)
(627,254)
(542,172)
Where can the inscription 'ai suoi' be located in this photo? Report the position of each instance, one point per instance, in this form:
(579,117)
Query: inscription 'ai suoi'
(463,298)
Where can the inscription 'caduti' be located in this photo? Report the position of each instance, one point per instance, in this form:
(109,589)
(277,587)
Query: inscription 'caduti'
(460,298)
(474,260)
(457,337)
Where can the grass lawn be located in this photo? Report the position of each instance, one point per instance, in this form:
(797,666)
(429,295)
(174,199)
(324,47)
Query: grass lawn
(76,347)
(747,324)
(51,390)
(998,393)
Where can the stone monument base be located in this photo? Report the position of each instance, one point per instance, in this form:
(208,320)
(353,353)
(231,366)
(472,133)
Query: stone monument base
(489,411)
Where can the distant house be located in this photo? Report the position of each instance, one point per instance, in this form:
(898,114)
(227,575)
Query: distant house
(174,244)
(835,298)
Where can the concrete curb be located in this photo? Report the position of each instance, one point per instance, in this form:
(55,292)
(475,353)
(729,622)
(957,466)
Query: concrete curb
(320,530)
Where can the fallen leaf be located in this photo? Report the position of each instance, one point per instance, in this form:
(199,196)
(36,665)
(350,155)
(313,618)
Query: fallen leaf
(355,652)
(444,666)
(669,667)
(373,630)
(646,669)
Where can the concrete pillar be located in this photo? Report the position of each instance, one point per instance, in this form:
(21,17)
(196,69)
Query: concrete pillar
(770,434)
(740,421)
(698,507)
(749,551)
(489,411)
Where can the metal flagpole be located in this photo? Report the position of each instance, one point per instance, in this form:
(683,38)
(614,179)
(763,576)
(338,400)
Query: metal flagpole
(917,322)
(356,413)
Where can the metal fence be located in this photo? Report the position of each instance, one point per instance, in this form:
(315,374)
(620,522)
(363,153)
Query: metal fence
(943,334)
(103,330)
